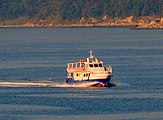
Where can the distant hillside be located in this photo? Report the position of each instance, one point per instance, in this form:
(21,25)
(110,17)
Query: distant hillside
(69,10)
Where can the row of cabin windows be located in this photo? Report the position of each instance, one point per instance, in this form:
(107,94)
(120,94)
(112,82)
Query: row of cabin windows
(84,75)
(95,65)
(78,74)
(78,65)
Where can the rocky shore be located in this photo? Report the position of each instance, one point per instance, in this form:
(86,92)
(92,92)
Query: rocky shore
(135,23)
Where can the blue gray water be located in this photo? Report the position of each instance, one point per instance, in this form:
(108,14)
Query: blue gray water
(40,54)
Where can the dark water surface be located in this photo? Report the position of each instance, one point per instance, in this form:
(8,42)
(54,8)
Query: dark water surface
(40,54)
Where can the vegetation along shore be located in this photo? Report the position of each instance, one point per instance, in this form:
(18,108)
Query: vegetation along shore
(138,14)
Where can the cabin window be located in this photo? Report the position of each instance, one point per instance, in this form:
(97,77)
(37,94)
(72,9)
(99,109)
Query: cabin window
(72,74)
(100,65)
(90,65)
(70,65)
(96,65)
(77,74)
(74,65)
(82,65)
(78,65)
(86,75)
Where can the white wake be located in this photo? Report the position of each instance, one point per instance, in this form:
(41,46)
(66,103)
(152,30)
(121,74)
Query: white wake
(44,84)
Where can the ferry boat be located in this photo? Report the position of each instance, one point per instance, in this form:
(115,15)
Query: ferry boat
(89,71)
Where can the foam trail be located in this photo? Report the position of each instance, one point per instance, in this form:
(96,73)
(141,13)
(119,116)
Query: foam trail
(24,84)
(85,84)
(121,84)
(44,84)
(125,84)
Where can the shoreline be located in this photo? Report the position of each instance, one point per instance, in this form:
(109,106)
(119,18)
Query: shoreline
(130,22)
(132,27)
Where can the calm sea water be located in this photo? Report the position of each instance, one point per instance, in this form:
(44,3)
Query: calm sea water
(40,55)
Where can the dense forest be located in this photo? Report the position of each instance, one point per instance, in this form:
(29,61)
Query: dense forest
(68,10)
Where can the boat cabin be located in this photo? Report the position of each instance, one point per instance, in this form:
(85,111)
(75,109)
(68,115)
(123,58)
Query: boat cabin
(83,65)
(84,69)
